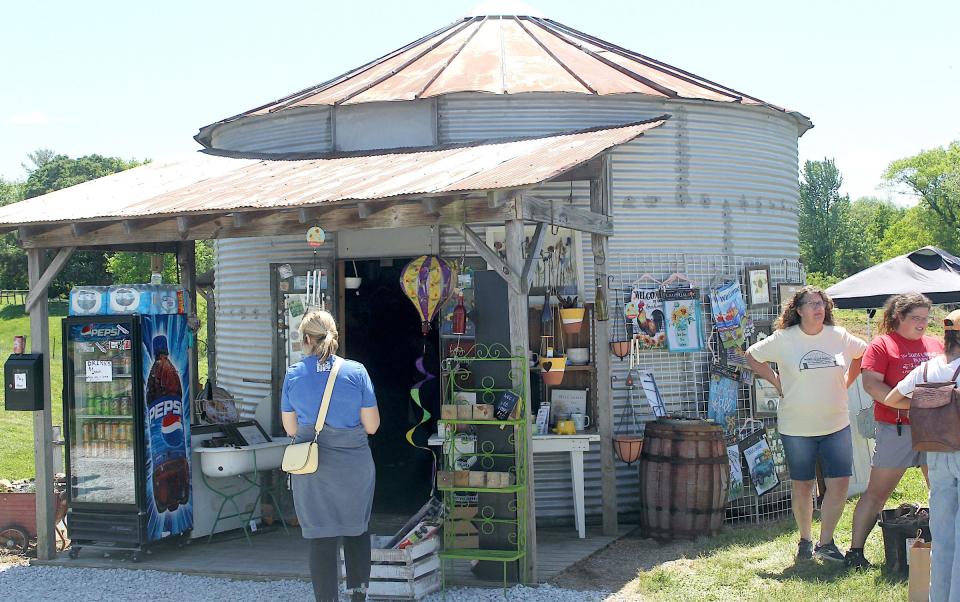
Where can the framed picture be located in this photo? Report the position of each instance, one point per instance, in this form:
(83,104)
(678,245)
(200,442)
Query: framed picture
(560,264)
(758,285)
(564,402)
(786,291)
(247,433)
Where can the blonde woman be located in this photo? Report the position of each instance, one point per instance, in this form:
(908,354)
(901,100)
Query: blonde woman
(817,362)
(335,501)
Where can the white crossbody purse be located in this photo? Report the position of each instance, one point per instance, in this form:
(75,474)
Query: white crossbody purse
(303,458)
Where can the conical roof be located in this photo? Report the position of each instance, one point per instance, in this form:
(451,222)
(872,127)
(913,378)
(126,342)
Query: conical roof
(498,54)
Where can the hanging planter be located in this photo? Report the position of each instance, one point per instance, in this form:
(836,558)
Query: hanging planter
(628,447)
(571,316)
(621,349)
(553,369)
(353,283)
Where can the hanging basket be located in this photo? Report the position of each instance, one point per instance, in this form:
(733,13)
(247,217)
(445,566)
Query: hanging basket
(553,369)
(572,319)
(628,447)
(620,349)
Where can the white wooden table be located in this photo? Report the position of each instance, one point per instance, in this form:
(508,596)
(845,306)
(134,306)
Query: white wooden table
(575,445)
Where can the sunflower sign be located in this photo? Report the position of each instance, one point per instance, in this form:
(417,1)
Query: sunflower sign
(684,329)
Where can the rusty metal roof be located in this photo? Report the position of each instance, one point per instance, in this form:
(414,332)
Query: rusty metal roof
(506,55)
(217,182)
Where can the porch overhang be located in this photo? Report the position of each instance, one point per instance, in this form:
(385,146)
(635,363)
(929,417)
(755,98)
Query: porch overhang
(213,194)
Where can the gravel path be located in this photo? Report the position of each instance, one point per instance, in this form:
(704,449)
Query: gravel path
(41,583)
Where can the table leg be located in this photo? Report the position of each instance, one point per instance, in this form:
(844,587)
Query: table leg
(576,470)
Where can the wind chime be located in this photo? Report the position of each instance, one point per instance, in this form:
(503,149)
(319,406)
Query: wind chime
(428,282)
(315,297)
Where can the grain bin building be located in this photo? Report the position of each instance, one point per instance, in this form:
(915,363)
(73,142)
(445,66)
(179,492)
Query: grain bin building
(712,189)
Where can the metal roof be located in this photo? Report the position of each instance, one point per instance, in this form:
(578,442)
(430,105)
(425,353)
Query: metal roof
(506,55)
(217,182)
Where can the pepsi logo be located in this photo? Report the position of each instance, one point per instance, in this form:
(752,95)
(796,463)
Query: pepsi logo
(171,428)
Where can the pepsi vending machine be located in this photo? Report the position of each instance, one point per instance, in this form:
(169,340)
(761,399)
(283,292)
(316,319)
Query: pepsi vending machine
(127,424)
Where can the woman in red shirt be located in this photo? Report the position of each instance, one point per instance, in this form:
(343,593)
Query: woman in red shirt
(889,358)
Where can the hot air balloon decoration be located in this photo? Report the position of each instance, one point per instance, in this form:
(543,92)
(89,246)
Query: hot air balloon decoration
(428,283)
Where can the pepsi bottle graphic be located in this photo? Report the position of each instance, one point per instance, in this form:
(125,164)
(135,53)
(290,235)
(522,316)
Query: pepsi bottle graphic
(168,443)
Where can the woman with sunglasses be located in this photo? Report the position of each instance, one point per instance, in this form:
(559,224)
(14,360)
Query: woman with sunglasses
(902,347)
(817,362)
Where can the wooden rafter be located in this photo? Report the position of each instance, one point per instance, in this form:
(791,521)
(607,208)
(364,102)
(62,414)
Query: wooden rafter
(38,290)
(493,258)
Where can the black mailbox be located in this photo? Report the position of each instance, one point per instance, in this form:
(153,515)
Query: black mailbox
(23,382)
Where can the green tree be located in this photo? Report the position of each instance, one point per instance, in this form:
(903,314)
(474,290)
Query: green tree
(132,268)
(52,172)
(870,218)
(934,176)
(828,243)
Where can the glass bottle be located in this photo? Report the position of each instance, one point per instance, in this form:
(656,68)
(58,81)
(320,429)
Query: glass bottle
(600,302)
(459,325)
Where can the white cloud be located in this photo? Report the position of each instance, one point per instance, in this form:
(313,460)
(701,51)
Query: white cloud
(29,118)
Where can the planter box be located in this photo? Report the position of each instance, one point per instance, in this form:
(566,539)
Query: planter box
(408,574)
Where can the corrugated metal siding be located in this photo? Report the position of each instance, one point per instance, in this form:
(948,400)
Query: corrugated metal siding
(301,130)
(714,179)
(691,186)
(244,313)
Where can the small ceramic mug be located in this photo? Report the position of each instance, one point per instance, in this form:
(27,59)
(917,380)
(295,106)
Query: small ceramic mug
(580,421)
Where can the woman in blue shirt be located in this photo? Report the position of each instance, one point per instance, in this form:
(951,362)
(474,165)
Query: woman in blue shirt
(335,501)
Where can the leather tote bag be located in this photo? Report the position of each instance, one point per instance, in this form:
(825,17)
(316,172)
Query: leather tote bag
(935,415)
(303,458)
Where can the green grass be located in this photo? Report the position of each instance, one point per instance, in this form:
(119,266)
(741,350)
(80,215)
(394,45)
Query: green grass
(757,563)
(16,428)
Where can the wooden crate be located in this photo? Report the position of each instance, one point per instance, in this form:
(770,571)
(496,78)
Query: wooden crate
(408,574)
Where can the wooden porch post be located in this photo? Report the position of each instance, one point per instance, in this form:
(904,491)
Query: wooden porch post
(600,203)
(520,345)
(42,431)
(187,258)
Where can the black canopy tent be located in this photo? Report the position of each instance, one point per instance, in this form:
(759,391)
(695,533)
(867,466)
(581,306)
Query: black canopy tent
(929,270)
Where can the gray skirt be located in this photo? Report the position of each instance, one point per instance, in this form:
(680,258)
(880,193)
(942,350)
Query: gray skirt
(335,500)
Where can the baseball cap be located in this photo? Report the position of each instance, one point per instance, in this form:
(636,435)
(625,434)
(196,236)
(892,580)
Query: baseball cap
(952,321)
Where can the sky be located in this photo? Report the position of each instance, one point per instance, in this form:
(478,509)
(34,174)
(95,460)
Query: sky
(880,80)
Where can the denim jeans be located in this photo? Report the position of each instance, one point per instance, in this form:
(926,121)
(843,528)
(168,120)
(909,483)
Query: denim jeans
(944,473)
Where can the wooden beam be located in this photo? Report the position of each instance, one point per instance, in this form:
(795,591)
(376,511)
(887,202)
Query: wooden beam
(81,228)
(497,198)
(406,214)
(187,260)
(363,210)
(242,218)
(493,258)
(183,225)
(537,209)
(600,204)
(42,420)
(533,254)
(518,309)
(39,291)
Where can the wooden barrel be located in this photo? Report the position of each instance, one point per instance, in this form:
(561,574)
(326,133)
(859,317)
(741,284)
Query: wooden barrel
(684,474)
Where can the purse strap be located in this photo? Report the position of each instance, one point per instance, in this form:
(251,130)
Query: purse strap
(327,392)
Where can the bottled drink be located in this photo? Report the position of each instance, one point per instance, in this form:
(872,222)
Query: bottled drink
(459,325)
(168,437)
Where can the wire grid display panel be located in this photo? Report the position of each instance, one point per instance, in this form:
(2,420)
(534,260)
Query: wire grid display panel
(683,378)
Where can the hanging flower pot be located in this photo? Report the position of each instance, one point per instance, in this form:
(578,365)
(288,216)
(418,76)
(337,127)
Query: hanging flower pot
(553,369)
(572,319)
(620,349)
(628,447)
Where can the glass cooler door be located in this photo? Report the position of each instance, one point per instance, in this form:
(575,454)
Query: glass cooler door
(101,414)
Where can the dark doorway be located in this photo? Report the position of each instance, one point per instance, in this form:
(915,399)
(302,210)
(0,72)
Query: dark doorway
(383,332)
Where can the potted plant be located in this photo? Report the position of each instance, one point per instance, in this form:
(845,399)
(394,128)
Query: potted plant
(571,315)
(553,369)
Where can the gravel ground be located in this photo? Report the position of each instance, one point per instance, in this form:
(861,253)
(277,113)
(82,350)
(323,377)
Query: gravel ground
(21,582)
